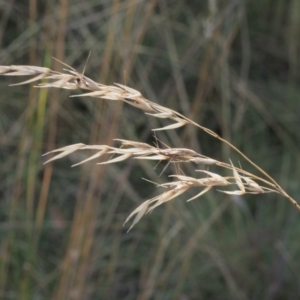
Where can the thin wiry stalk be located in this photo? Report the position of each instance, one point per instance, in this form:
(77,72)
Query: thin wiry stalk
(73,79)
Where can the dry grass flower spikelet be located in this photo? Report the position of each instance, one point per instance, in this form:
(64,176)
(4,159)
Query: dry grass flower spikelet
(246,182)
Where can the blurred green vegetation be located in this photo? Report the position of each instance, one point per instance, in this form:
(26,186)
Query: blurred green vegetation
(230,65)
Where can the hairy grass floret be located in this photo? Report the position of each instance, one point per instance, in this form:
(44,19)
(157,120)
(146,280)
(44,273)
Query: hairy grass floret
(245,182)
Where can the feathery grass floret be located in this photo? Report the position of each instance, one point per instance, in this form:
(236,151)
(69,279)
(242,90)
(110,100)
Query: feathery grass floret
(245,182)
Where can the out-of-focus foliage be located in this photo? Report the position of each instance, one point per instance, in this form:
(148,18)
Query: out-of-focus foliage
(230,65)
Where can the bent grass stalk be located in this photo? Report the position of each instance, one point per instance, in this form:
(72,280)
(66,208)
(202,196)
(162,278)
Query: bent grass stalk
(246,183)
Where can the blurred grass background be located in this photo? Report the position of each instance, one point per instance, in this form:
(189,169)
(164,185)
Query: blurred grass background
(232,66)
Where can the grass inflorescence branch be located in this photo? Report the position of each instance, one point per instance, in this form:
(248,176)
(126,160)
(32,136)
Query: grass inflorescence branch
(245,182)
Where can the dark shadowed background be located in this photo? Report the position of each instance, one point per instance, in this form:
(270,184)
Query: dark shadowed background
(230,65)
